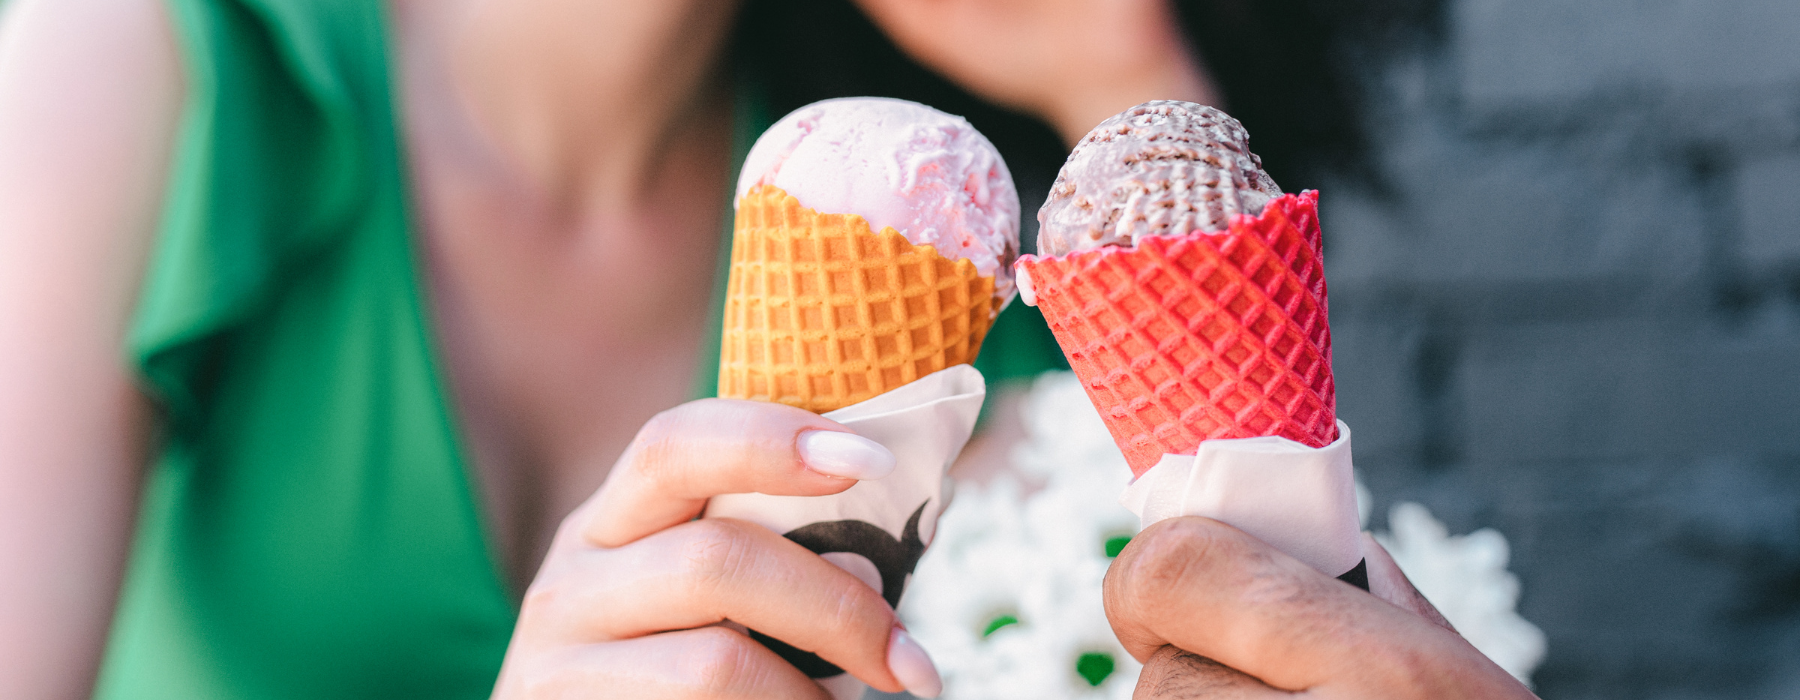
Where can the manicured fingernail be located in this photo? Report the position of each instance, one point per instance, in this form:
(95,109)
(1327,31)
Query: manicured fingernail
(912,666)
(845,455)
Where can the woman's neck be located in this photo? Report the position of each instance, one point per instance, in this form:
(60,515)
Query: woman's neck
(569,165)
(583,107)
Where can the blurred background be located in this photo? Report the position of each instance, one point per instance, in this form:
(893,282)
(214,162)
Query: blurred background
(1563,242)
(1575,318)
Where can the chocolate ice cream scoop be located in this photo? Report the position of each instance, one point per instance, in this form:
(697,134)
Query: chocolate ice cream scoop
(1161,168)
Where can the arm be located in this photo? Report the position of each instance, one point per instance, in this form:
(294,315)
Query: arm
(90,91)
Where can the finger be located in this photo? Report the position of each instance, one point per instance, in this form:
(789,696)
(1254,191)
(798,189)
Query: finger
(702,449)
(709,571)
(1212,590)
(1173,674)
(712,662)
(1389,583)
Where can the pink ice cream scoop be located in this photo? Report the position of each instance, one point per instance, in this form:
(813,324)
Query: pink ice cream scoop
(928,175)
(1162,168)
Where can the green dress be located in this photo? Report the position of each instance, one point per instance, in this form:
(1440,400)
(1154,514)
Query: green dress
(309,528)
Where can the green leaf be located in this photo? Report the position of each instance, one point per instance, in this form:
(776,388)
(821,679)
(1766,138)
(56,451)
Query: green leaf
(1114,545)
(1094,667)
(995,624)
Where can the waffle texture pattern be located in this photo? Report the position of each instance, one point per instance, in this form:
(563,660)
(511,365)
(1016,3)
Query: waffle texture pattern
(1205,336)
(821,312)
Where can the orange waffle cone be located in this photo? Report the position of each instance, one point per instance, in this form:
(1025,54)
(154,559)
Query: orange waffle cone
(1206,336)
(821,312)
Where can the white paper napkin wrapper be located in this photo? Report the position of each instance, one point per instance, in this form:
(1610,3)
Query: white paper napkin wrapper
(878,529)
(1299,499)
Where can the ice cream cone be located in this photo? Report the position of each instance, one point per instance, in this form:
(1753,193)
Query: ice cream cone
(1204,336)
(822,312)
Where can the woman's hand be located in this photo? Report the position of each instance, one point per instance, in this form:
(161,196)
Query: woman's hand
(630,598)
(1072,62)
(1214,612)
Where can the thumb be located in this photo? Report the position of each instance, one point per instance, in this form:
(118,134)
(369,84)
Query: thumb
(1211,590)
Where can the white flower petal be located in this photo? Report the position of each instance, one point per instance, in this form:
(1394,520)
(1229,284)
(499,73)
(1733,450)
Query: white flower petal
(1040,557)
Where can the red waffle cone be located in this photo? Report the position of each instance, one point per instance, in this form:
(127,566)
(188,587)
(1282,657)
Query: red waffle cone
(1199,337)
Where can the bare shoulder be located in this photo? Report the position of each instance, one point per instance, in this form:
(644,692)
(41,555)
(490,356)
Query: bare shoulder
(90,92)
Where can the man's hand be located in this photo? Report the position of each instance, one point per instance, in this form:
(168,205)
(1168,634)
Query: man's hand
(1214,612)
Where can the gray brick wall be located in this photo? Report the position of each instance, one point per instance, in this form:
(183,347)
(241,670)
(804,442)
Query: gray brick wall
(1577,320)
(1768,195)
(1556,49)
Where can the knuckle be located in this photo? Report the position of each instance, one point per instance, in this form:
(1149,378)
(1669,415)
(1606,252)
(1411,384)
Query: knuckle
(647,448)
(717,661)
(544,594)
(573,526)
(856,609)
(533,669)
(714,552)
(661,423)
(1161,571)
(1166,558)
(546,678)
(546,601)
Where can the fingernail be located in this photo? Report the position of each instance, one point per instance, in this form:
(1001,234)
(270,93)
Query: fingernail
(912,666)
(844,455)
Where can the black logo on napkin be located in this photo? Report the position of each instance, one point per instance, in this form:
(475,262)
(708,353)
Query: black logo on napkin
(895,560)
